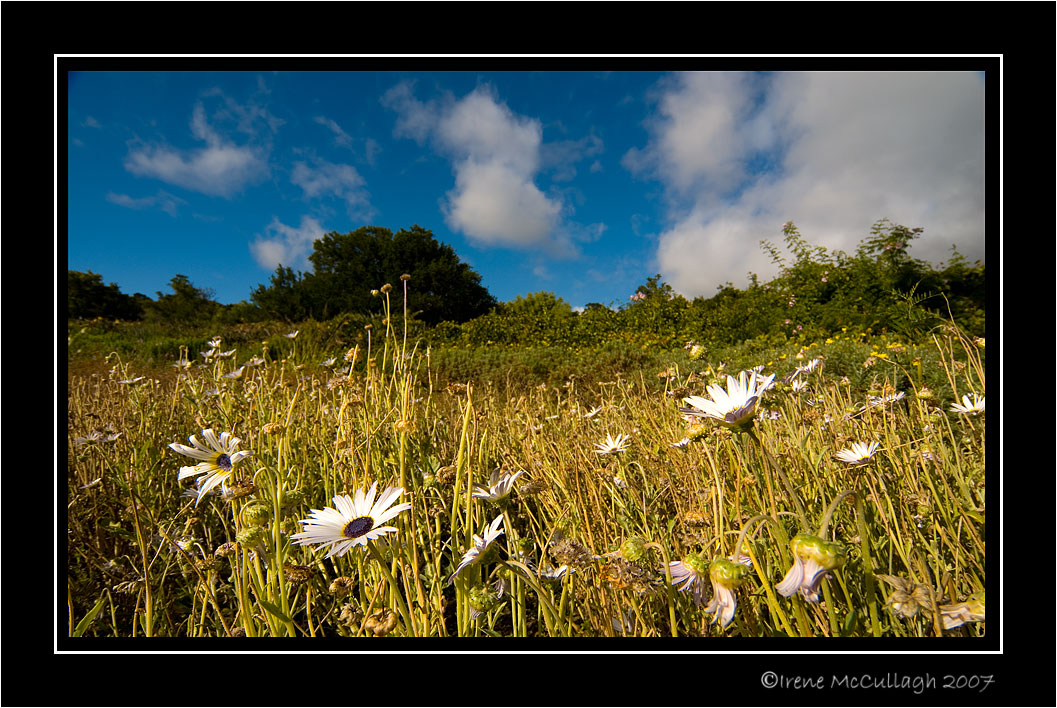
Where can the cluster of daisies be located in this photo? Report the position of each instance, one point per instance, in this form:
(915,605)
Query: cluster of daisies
(356,520)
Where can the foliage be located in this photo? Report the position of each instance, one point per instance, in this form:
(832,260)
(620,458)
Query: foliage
(87,298)
(347,267)
(185,304)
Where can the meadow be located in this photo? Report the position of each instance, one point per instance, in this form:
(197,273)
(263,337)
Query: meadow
(833,487)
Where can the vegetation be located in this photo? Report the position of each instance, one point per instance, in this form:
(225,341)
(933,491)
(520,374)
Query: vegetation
(862,453)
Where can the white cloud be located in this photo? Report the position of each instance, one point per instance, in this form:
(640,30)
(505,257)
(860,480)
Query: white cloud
(162,200)
(286,245)
(848,148)
(221,168)
(325,179)
(497,156)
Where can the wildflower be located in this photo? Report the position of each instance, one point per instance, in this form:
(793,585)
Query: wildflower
(480,546)
(907,597)
(131,381)
(874,401)
(291,335)
(812,559)
(725,575)
(972,610)
(680,443)
(217,460)
(236,374)
(254,361)
(96,436)
(734,407)
(500,483)
(355,520)
(859,453)
(968,406)
(618,444)
(688,575)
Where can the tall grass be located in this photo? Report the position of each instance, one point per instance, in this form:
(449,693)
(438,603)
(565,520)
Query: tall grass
(589,538)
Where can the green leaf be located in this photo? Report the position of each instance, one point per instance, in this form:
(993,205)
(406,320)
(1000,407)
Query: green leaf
(79,630)
(273,610)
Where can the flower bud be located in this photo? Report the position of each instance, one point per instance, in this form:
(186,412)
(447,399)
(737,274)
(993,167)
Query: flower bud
(632,549)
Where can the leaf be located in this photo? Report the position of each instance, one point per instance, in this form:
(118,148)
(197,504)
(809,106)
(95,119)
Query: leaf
(79,630)
(273,610)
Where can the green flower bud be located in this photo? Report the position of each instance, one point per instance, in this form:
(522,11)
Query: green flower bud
(294,497)
(632,549)
(257,513)
(482,599)
(252,536)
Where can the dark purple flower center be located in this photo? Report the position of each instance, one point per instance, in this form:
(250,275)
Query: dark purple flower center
(357,527)
(224,462)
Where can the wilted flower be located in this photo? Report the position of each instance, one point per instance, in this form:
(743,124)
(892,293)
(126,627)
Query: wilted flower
(217,460)
(957,614)
(734,407)
(355,520)
(858,453)
(480,545)
(907,597)
(618,444)
(812,559)
(500,483)
(969,406)
(725,575)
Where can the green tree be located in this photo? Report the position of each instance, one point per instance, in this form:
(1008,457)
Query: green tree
(186,304)
(87,298)
(347,267)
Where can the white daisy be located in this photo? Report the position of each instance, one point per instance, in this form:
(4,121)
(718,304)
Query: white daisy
(618,444)
(291,335)
(355,520)
(734,407)
(500,483)
(858,453)
(217,460)
(969,406)
(689,575)
(480,545)
(813,558)
(725,576)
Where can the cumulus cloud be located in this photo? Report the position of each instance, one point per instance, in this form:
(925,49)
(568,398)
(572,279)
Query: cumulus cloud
(740,154)
(220,168)
(286,245)
(497,157)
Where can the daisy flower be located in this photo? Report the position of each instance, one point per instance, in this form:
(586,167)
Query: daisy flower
(500,483)
(688,575)
(969,406)
(218,458)
(353,521)
(725,576)
(734,407)
(291,335)
(618,444)
(813,558)
(480,545)
(858,453)
(957,614)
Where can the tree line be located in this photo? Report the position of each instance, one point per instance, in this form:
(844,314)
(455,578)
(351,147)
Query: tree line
(880,287)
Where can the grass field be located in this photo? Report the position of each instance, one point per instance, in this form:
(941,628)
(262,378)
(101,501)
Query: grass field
(832,489)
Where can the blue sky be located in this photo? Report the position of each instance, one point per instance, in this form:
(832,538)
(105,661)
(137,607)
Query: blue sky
(581,183)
